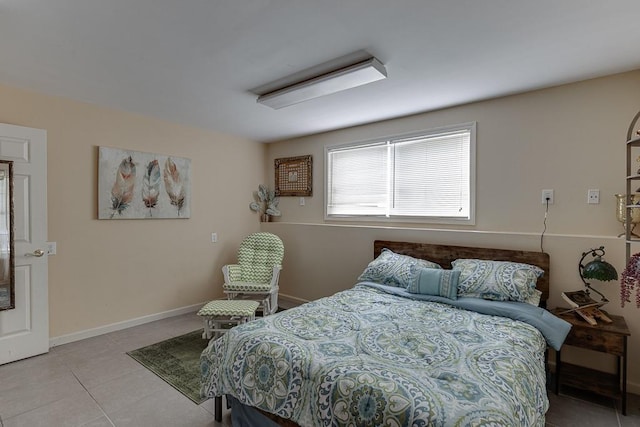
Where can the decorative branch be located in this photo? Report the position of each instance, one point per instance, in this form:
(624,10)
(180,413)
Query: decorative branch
(266,201)
(630,280)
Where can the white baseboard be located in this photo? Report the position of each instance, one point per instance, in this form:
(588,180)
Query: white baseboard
(94,332)
(284,301)
(287,301)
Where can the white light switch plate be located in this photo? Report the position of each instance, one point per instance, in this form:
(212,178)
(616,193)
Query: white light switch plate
(51,248)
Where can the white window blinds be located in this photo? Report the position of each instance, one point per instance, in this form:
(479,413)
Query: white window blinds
(358,180)
(425,176)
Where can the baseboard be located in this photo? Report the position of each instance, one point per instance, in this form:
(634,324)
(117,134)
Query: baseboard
(94,332)
(287,301)
(284,301)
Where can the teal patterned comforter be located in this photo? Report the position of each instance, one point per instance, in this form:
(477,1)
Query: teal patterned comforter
(363,357)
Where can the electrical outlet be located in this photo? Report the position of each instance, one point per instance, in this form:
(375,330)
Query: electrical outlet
(214,237)
(593,197)
(547,196)
(301,201)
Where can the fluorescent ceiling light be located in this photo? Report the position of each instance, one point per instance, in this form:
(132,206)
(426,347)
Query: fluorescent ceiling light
(349,77)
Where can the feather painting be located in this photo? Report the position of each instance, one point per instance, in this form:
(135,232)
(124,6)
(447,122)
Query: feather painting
(151,185)
(159,188)
(122,190)
(173,184)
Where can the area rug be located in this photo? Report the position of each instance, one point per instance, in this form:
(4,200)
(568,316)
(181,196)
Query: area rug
(176,361)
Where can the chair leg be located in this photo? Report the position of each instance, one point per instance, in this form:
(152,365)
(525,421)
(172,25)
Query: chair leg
(274,302)
(206,333)
(267,307)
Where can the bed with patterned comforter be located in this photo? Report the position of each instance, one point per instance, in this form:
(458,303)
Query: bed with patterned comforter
(371,355)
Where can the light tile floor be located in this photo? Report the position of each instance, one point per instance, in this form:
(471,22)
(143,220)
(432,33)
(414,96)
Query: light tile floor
(94,383)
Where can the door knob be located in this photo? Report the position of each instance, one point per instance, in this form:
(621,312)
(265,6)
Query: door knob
(37,253)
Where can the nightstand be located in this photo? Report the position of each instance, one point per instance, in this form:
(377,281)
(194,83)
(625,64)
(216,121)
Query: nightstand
(610,338)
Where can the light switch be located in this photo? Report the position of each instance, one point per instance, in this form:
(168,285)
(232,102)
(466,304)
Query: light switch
(51,248)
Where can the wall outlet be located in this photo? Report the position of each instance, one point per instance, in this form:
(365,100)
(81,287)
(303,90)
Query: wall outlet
(214,237)
(301,201)
(547,195)
(593,197)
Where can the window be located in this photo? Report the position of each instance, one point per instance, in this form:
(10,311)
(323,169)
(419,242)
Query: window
(426,177)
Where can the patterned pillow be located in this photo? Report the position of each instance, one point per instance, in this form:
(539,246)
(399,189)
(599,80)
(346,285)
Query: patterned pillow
(431,281)
(534,298)
(496,280)
(393,269)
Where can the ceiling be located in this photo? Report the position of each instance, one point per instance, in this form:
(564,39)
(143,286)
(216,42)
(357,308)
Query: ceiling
(196,62)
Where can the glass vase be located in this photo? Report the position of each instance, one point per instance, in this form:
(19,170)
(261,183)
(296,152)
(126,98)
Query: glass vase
(621,211)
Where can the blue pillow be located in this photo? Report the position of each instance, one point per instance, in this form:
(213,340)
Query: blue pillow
(393,269)
(443,283)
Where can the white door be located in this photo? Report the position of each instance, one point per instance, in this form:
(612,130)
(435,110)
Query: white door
(24,330)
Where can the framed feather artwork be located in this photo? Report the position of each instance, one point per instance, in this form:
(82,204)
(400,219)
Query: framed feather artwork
(137,185)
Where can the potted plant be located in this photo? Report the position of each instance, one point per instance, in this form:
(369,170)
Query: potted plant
(265,203)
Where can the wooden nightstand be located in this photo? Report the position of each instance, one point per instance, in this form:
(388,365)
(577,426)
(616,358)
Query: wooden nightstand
(610,338)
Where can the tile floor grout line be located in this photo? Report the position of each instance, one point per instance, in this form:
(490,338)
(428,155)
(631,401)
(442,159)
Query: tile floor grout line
(92,398)
(43,405)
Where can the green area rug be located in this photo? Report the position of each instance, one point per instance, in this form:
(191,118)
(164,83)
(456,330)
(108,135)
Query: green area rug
(176,361)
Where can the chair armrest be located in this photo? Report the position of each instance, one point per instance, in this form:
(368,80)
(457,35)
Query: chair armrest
(275,276)
(231,273)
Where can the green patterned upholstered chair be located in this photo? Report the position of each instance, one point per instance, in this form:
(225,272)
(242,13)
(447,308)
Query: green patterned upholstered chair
(256,274)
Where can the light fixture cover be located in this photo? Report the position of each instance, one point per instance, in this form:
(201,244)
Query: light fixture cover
(349,77)
(599,270)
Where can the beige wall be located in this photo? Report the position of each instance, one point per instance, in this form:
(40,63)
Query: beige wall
(569,138)
(109,271)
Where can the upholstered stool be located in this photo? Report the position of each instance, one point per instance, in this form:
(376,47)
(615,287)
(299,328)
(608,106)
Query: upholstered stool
(219,313)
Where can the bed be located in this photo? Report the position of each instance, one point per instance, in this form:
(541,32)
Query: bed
(377,354)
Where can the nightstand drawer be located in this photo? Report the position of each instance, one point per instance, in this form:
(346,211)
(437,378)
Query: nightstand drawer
(597,340)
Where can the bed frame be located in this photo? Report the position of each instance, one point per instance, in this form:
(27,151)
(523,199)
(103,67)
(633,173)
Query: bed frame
(443,255)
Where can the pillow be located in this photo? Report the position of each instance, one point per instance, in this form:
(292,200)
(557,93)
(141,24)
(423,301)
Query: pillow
(431,281)
(534,298)
(393,269)
(496,280)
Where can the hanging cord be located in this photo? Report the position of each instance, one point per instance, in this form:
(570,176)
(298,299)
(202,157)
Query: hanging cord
(546,211)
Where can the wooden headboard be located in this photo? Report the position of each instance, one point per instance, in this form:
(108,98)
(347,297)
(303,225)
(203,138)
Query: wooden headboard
(445,254)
